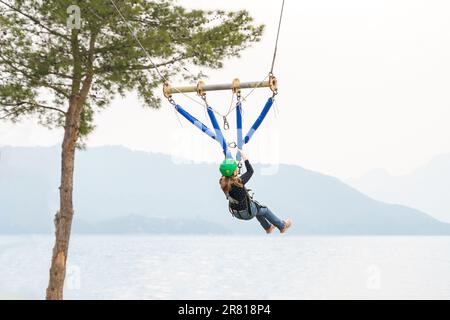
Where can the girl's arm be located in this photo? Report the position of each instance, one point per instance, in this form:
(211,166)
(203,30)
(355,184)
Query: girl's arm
(248,174)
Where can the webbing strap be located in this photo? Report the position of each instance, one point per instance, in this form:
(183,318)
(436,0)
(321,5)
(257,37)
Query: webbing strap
(219,135)
(259,120)
(195,121)
(240,141)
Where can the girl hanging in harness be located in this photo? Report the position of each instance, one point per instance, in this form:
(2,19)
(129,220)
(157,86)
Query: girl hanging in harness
(241,205)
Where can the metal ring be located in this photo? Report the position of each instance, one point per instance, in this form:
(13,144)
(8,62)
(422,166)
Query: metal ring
(273,84)
(236,85)
(239,96)
(201,89)
(171,101)
(166,90)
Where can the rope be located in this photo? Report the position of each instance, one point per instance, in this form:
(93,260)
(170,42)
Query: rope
(245,98)
(133,33)
(278,37)
(276,109)
(258,86)
(178,118)
(231,105)
(273,60)
(164,79)
(138,41)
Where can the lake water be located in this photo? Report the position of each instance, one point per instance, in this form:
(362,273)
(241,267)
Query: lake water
(231,267)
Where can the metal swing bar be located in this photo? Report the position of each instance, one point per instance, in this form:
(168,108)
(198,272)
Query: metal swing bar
(217,134)
(215,87)
(201,88)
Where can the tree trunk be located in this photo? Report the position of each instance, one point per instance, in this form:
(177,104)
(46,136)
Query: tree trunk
(63,218)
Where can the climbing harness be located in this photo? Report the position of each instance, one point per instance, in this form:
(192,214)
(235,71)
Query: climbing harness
(248,201)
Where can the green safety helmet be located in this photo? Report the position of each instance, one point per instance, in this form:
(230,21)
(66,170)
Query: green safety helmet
(227,167)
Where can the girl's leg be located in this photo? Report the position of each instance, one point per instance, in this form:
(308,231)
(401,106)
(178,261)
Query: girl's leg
(263,221)
(271,217)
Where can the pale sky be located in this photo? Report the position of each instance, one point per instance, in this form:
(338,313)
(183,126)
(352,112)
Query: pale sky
(363,84)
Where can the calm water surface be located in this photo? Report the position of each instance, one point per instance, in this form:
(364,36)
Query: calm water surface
(230,267)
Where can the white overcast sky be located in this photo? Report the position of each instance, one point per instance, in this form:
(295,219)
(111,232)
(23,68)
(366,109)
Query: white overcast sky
(364,84)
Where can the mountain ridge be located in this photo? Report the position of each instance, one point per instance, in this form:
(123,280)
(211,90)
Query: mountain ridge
(427,188)
(113,184)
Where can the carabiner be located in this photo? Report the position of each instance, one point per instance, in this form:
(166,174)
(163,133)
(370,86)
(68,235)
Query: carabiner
(226,125)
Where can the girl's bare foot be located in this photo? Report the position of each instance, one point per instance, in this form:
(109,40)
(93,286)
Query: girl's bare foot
(270,229)
(287,225)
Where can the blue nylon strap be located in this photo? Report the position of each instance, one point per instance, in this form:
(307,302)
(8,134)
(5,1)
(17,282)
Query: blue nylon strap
(259,120)
(240,142)
(195,122)
(219,136)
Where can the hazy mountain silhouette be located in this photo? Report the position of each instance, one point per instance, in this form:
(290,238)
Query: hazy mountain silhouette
(120,191)
(427,188)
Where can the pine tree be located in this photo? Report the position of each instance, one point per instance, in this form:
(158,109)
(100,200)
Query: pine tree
(65,60)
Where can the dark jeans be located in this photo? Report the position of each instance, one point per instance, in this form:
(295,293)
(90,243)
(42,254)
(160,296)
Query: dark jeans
(263,214)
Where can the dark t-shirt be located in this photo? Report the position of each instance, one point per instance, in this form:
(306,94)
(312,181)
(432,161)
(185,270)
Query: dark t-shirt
(238,193)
